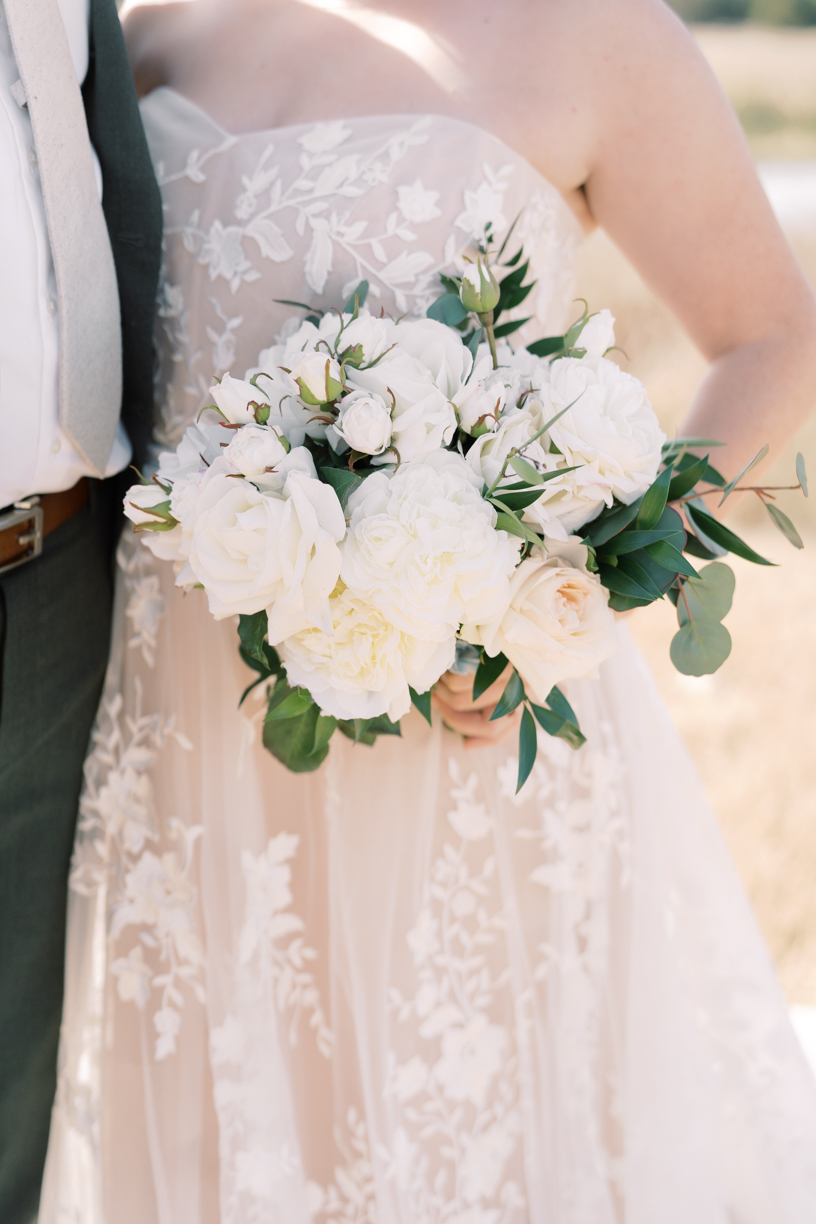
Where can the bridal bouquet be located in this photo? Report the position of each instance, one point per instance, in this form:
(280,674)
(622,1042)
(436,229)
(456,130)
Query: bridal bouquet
(380,500)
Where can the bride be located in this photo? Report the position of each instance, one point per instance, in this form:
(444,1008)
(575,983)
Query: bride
(392,990)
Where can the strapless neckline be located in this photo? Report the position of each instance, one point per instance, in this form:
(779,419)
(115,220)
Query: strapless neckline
(395,117)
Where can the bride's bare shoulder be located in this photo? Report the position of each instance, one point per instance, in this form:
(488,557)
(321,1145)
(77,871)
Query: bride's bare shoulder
(153,29)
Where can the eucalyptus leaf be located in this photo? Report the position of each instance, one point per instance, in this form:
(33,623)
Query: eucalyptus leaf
(801,474)
(487,673)
(721,535)
(512,697)
(700,647)
(707,597)
(448,309)
(758,457)
(784,524)
(653,502)
(528,746)
(698,549)
(422,701)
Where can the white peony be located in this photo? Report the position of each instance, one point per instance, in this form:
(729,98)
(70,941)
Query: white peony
(363,669)
(423,547)
(597,335)
(556,625)
(611,426)
(255,450)
(364,423)
(253,550)
(422,417)
(437,347)
(233,397)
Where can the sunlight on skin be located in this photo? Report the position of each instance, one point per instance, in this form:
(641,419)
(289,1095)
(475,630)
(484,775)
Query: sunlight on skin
(403,36)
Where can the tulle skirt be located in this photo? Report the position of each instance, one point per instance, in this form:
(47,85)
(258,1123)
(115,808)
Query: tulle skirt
(393,991)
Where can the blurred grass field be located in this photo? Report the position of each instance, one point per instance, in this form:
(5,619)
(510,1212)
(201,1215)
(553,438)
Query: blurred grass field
(751,728)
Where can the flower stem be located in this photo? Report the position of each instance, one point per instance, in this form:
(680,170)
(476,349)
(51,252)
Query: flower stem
(486,321)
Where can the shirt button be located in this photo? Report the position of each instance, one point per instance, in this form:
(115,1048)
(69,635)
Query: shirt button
(55,445)
(52,306)
(32,159)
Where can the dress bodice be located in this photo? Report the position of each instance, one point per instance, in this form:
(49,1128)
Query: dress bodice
(306,212)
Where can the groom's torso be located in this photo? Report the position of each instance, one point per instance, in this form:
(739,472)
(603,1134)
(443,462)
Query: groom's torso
(65,278)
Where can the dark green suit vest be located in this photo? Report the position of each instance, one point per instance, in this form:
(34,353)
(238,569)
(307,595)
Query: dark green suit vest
(132,205)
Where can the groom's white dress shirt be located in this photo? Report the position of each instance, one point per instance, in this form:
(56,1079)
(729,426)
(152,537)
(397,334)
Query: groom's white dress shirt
(36,454)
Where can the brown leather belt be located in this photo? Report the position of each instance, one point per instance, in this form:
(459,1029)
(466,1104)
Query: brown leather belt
(24,526)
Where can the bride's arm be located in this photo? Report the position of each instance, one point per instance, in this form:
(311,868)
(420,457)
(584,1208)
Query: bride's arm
(673,184)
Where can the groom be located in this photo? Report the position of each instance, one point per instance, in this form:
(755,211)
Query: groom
(78,278)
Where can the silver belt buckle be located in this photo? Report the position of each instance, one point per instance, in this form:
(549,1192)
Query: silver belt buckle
(28,511)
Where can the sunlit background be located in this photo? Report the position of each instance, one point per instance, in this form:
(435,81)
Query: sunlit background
(751,728)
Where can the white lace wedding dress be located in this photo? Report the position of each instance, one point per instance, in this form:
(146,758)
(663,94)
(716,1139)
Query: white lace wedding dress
(391,992)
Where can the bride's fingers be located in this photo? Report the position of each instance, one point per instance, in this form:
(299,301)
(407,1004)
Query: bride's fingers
(476,724)
(456,691)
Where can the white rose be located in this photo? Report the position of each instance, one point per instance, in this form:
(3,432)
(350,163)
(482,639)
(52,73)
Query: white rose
(611,425)
(365,667)
(255,450)
(515,428)
(199,447)
(597,335)
(253,550)
(140,499)
(233,397)
(364,423)
(422,417)
(299,459)
(370,333)
(318,379)
(422,545)
(438,348)
(557,624)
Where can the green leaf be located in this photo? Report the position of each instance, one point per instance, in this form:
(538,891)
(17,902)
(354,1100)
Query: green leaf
(685,480)
(252,631)
(758,457)
(558,727)
(667,555)
(624,603)
(631,541)
(512,696)
(682,444)
(700,505)
(700,647)
(342,481)
(697,549)
(324,730)
(707,597)
(507,329)
(547,347)
(528,746)
(525,470)
(292,740)
(609,522)
(513,526)
(723,536)
(614,579)
(632,567)
(654,501)
(487,673)
(289,302)
(475,340)
(422,701)
(293,704)
(448,309)
(520,500)
(558,702)
(360,293)
(784,524)
(801,474)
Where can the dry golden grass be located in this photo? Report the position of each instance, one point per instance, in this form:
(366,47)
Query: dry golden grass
(751,728)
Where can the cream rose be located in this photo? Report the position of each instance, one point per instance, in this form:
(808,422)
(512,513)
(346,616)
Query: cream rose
(364,423)
(253,550)
(611,426)
(232,396)
(422,418)
(436,347)
(255,450)
(557,624)
(363,669)
(423,547)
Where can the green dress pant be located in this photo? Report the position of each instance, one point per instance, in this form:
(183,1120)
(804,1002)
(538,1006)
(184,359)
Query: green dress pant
(55,615)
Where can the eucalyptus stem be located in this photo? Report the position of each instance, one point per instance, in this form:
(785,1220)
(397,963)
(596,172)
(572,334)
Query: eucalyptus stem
(760,489)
